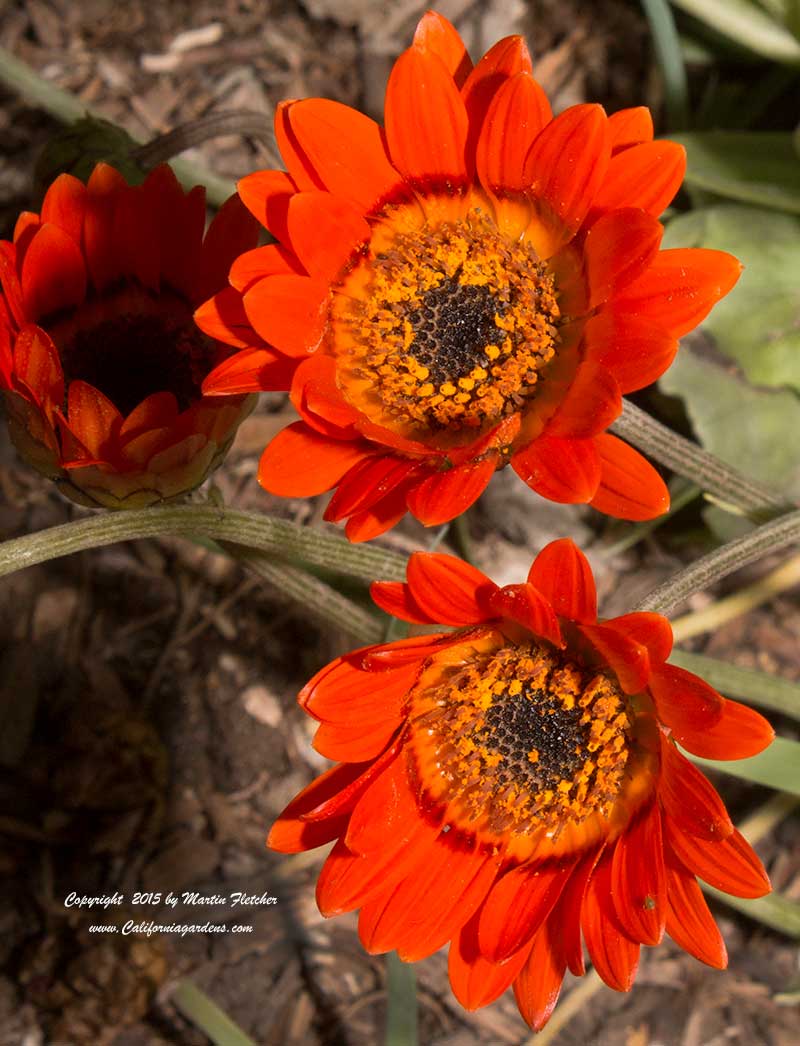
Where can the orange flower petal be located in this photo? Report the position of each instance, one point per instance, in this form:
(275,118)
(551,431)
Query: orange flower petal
(592,402)
(223,318)
(37,364)
(689,922)
(517,907)
(155,412)
(427,142)
(317,399)
(567,163)
(251,370)
(630,127)
(445,495)
(366,484)
(9,281)
(739,733)
(538,984)
(614,954)
(345,149)
(618,248)
(302,173)
(638,878)
(689,799)
(448,590)
(632,349)
(354,742)
(647,176)
(289,833)
(564,470)
(325,232)
(681,287)
(435,35)
(92,417)
(270,260)
(266,195)
(517,113)
(728,864)
(343,693)
(386,816)
(650,630)
(561,572)
(684,702)
(475,981)
(289,312)
(404,651)
(53,273)
(629,488)
(396,599)
(527,606)
(324,462)
(379,517)
(629,660)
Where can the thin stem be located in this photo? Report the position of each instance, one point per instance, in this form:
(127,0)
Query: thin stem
(195,132)
(770,537)
(204,1013)
(708,471)
(401,993)
(313,595)
(276,537)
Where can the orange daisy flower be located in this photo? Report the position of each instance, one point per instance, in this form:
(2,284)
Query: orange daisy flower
(101,364)
(471,286)
(515,785)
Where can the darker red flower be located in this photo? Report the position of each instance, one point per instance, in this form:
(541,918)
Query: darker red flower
(101,363)
(473,285)
(515,787)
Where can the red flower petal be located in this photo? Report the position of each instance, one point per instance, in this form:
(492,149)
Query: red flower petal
(395,598)
(689,922)
(630,127)
(647,176)
(650,630)
(739,733)
(618,248)
(38,366)
(290,834)
(426,122)
(93,418)
(538,984)
(378,518)
(475,981)
(444,495)
(345,149)
(366,484)
(289,312)
(354,742)
(324,462)
(629,488)
(633,350)
(629,660)
(317,399)
(404,651)
(681,287)
(386,816)
(302,172)
(517,907)
(516,115)
(562,574)
(270,260)
(614,954)
(689,799)
(53,273)
(103,260)
(589,406)
(565,470)
(344,693)
(223,317)
(251,370)
(567,162)
(233,231)
(729,864)
(266,195)
(64,205)
(638,879)
(684,702)
(449,590)
(9,281)
(527,606)
(435,35)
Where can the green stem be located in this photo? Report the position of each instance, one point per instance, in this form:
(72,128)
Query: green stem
(770,537)
(689,460)
(313,595)
(276,537)
(401,992)
(195,132)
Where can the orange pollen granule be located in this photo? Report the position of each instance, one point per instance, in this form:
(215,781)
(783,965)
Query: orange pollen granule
(448,326)
(522,740)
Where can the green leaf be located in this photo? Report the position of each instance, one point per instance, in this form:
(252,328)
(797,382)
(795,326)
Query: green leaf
(759,167)
(752,429)
(670,60)
(777,767)
(758,323)
(775,910)
(747,24)
(754,688)
(204,1013)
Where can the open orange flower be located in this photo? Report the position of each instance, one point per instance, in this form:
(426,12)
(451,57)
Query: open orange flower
(101,363)
(476,284)
(515,784)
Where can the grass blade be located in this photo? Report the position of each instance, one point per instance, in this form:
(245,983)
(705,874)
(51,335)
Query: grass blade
(747,24)
(670,61)
(754,688)
(778,767)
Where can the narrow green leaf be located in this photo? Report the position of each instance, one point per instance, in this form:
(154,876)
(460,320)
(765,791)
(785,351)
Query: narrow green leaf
(778,767)
(775,910)
(754,688)
(747,24)
(670,61)
(758,167)
(401,991)
(196,1006)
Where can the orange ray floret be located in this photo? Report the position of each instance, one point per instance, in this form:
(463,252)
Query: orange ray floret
(101,364)
(477,283)
(514,787)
